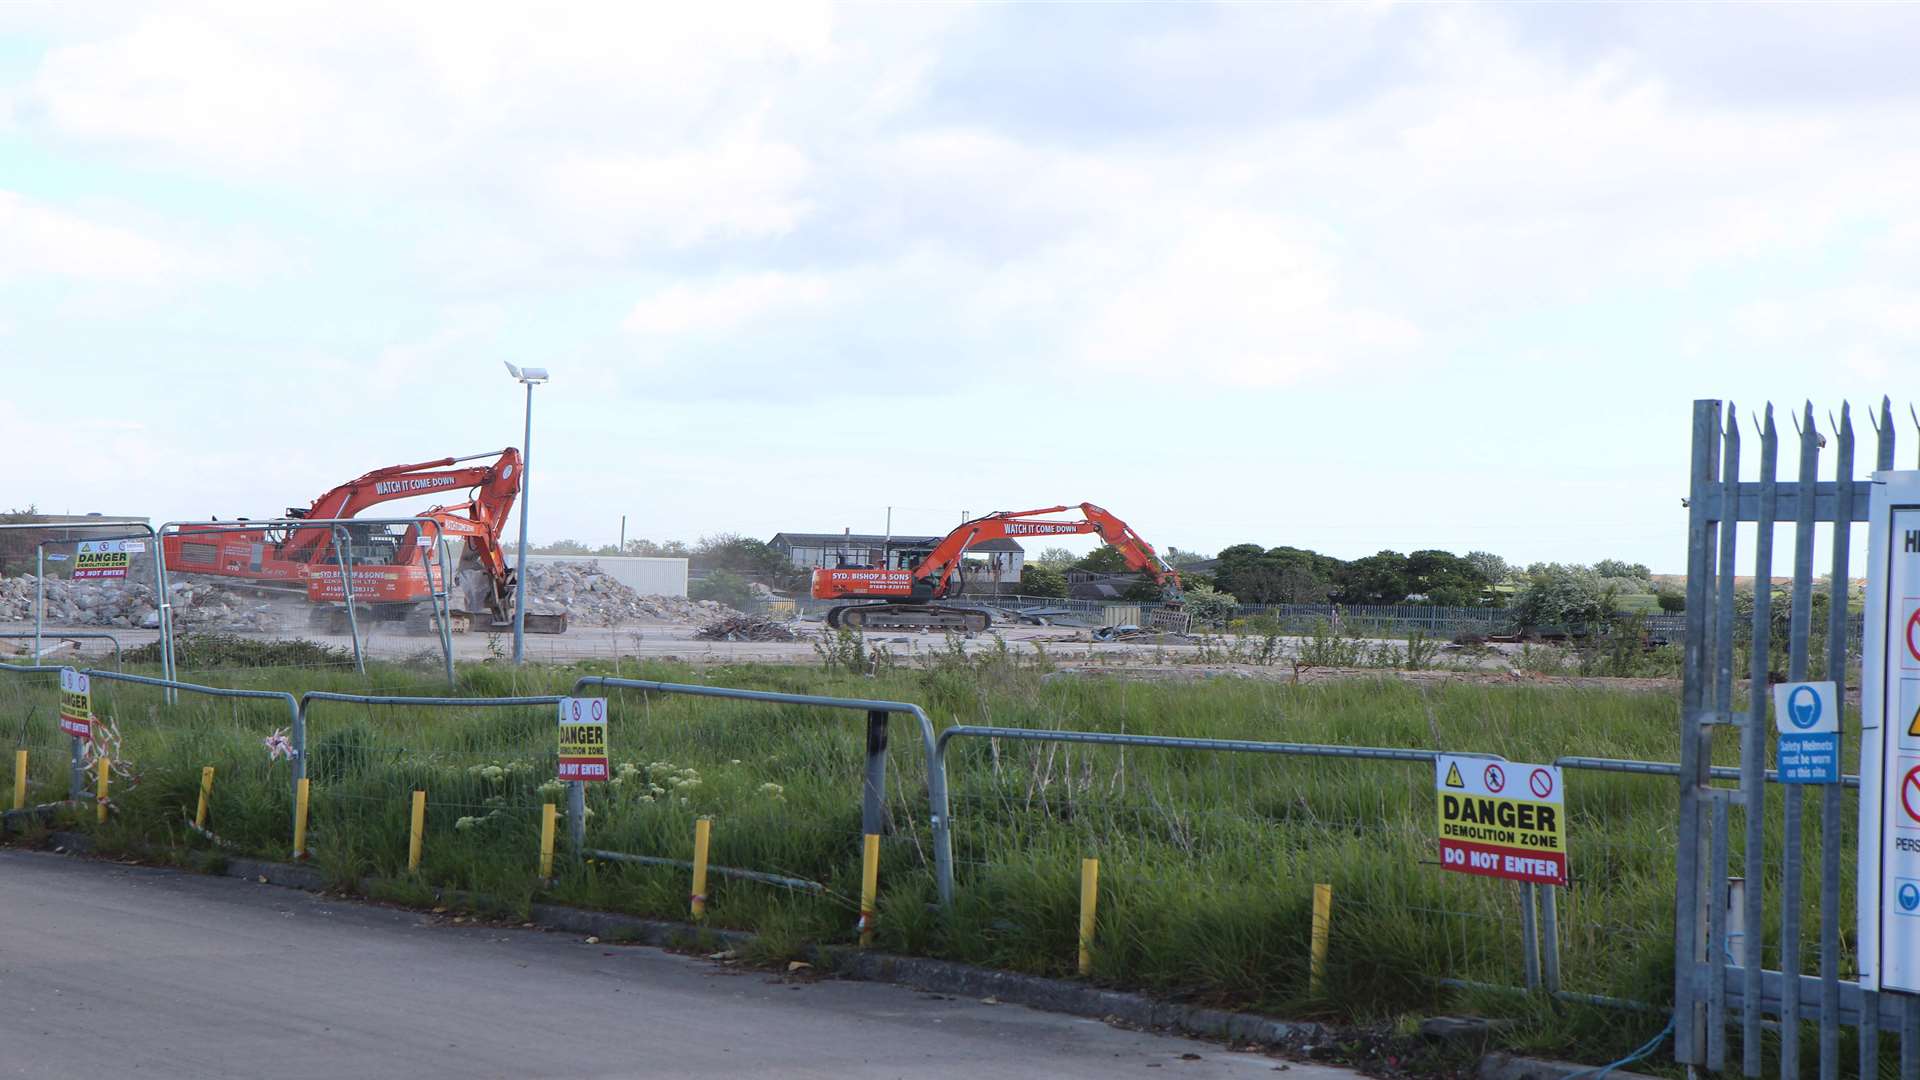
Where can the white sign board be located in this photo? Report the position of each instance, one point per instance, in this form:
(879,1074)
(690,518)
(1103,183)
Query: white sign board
(1807,715)
(1889,866)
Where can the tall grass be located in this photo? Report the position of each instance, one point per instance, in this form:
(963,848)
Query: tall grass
(1208,860)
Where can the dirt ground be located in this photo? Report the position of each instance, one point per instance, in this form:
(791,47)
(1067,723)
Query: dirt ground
(1072,651)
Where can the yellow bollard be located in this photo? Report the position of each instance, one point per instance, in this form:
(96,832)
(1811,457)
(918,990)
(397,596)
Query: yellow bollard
(702,835)
(1322,924)
(300,819)
(19,779)
(869,887)
(100,791)
(1089,899)
(548,814)
(206,792)
(419,830)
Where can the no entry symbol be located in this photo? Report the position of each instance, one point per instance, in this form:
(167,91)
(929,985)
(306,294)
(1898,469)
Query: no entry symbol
(1910,795)
(1497,779)
(1540,783)
(1913,634)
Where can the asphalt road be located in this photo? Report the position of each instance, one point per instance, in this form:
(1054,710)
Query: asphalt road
(110,970)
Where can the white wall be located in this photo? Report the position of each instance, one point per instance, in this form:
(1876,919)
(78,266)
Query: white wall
(646,576)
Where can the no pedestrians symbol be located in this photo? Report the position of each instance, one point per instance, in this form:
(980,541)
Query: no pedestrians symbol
(1540,782)
(1913,634)
(1497,779)
(1910,795)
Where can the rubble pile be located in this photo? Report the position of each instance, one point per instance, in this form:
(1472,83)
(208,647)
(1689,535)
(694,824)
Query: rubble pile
(745,628)
(129,603)
(591,598)
(587,595)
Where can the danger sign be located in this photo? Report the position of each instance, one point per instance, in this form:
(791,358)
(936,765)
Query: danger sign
(583,738)
(1488,827)
(101,559)
(76,704)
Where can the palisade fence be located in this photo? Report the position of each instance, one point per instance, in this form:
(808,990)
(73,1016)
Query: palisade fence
(1754,883)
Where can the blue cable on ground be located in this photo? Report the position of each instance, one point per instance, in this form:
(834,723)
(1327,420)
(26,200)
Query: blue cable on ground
(1645,1050)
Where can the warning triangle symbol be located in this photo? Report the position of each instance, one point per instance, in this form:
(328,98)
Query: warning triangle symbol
(1913,726)
(1453,773)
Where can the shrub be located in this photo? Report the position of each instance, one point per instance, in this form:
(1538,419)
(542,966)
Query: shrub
(1209,607)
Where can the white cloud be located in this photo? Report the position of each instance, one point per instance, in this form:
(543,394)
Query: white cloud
(728,305)
(41,240)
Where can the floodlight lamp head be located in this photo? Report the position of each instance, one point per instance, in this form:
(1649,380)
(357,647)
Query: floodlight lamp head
(526,375)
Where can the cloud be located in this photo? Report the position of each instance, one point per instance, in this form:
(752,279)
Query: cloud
(41,240)
(727,306)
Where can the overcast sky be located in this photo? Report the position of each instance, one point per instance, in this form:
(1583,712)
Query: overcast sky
(1348,277)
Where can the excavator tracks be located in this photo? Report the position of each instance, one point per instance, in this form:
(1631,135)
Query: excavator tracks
(909,617)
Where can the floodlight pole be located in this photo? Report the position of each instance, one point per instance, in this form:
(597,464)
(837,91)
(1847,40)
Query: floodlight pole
(520,577)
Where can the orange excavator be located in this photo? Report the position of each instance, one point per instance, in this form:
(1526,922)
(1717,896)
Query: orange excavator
(905,595)
(394,572)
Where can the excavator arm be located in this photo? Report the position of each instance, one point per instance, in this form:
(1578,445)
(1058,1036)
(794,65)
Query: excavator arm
(908,596)
(942,563)
(497,485)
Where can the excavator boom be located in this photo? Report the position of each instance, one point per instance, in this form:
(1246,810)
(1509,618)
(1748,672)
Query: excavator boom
(397,574)
(906,596)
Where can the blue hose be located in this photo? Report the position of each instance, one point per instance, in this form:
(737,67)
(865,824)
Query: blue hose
(1645,1051)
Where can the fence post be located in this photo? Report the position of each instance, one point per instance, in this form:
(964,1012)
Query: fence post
(873,790)
(1089,903)
(577,818)
(548,814)
(1322,930)
(869,886)
(1550,936)
(1529,936)
(76,773)
(19,779)
(104,767)
(206,795)
(300,818)
(416,832)
(702,837)
(1702,533)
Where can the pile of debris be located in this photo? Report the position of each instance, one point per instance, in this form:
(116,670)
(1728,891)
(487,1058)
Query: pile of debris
(128,604)
(592,598)
(745,628)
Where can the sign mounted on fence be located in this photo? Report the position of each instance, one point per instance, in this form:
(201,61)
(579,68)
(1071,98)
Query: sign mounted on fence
(1502,819)
(101,559)
(583,738)
(1807,715)
(76,704)
(1888,871)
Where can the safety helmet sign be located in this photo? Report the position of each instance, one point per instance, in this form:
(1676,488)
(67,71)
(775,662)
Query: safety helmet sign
(1805,708)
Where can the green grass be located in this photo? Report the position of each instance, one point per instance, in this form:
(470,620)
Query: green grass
(1208,861)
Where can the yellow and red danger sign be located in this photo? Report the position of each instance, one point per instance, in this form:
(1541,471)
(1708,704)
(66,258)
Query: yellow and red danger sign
(1503,819)
(76,704)
(101,559)
(583,738)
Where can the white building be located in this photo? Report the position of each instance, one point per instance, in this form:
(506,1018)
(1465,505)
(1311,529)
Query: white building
(645,575)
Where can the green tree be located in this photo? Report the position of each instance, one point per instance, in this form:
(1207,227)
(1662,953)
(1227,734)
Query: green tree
(723,586)
(1381,578)
(1057,557)
(1103,560)
(1615,568)
(1446,579)
(1561,597)
(1209,607)
(1491,566)
(747,558)
(1040,579)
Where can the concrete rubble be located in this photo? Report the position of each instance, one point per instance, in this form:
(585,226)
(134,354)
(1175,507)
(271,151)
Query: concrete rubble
(591,598)
(588,596)
(745,628)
